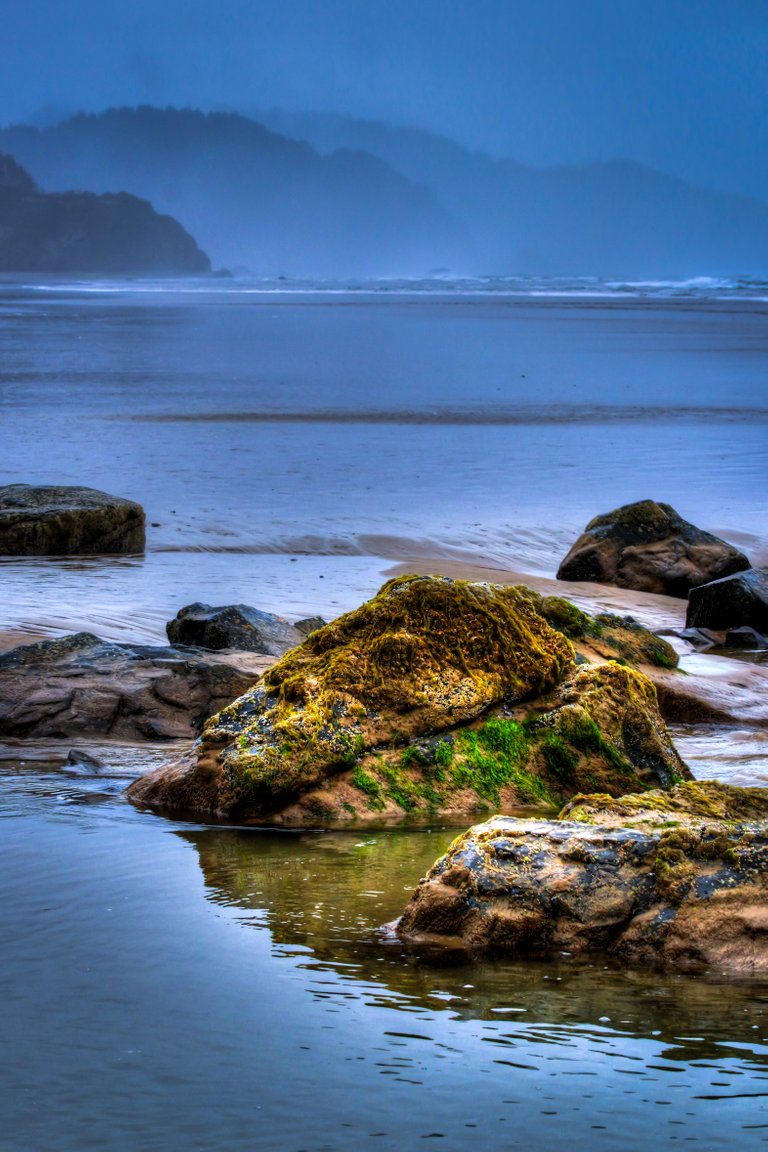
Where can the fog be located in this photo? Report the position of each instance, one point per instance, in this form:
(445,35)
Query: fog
(499,137)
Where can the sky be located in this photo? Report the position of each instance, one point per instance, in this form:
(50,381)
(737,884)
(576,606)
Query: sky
(678,84)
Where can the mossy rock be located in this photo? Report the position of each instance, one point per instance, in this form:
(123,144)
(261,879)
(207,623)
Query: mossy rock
(601,729)
(607,636)
(687,804)
(424,655)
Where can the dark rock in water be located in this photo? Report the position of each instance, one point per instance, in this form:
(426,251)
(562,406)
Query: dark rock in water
(733,602)
(310,624)
(747,638)
(650,548)
(675,880)
(701,638)
(82,232)
(53,520)
(81,685)
(233,626)
(82,763)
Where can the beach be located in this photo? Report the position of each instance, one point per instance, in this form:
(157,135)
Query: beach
(293,450)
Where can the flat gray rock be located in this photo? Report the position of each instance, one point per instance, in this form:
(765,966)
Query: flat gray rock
(54,520)
(83,686)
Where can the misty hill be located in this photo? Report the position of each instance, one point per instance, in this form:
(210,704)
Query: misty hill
(616,219)
(83,232)
(334,196)
(250,196)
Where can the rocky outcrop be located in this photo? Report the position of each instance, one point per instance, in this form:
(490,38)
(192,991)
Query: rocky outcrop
(735,601)
(650,548)
(674,880)
(53,520)
(81,685)
(234,626)
(82,232)
(424,655)
(437,696)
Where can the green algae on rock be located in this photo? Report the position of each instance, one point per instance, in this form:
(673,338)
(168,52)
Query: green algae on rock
(654,883)
(687,804)
(600,729)
(425,654)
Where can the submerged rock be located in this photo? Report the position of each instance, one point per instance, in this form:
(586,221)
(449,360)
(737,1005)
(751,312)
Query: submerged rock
(54,520)
(648,546)
(436,696)
(735,601)
(81,685)
(674,880)
(426,654)
(233,626)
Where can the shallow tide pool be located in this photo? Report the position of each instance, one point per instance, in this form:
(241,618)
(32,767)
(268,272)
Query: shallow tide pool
(170,986)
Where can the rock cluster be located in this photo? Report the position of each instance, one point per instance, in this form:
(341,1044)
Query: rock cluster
(674,880)
(55,520)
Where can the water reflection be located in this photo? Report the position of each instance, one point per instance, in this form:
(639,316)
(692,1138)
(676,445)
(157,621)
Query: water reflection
(324,896)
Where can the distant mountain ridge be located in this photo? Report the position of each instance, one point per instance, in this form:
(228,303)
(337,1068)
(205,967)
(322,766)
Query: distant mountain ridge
(82,232)
(305,194)
(248,195)
(611,218)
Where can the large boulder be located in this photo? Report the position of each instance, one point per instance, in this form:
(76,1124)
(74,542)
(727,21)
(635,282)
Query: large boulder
(53,520)
(649,547)
(437,696)
(233,626)
(81,685)
(733,602)
(675,880)
(426,654)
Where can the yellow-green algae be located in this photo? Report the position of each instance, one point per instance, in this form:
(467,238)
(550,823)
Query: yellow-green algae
(425,654)
(689,804)
(601,729)
(611,637)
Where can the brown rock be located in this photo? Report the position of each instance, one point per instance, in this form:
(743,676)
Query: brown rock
(81,685)
(673,880)
(650,548)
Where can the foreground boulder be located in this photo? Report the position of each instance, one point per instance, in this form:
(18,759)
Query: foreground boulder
(234,626)
(436,696)
(424,655)
(81,685)
(54,520)
(650,548)
(674,880)
(735,601)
